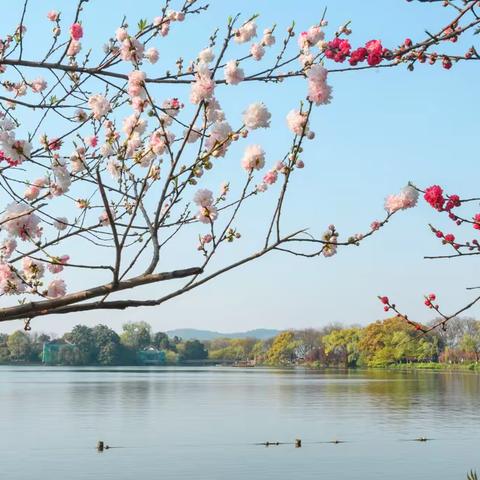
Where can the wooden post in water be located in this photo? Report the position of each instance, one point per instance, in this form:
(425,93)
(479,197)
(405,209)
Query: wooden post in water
(100,446)
(298,443)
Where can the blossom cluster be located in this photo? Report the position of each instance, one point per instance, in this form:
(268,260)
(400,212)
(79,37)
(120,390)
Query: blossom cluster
(437,199)
(407,198)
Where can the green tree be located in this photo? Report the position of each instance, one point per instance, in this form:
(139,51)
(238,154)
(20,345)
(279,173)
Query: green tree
(163,342)
(83,337)
(233,349)
(395,341)
(343,344)
(194,350)
(4,352)
(470,343)
(19,346)
(283,348)
(107,345)
(171,358)
(136,335)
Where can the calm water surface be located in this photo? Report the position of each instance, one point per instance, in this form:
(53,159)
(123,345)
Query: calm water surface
(203,423)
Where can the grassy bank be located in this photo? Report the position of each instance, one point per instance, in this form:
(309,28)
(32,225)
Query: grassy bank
(407,366)
(436,366)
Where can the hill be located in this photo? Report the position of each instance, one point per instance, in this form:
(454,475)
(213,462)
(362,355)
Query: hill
(194,334)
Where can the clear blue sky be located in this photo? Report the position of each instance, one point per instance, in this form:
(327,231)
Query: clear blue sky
(383,128)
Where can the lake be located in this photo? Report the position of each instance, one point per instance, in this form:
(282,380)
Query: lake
(203,423)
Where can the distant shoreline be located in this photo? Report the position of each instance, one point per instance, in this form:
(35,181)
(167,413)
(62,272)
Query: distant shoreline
(430,366)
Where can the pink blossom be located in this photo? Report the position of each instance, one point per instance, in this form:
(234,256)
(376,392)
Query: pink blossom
(256,116)
(74,48)
(319,92)
(136,84)
(131,50)
(206,238)
(270,177)
(32,269)
(56,288)
(164,29)
(407,198)
(159,140)
(375,225)
(257,51)
(203,198)
(134,124)
(310,37)
(139,104)
(14,151)
(51,144)
(31,193)
(38,85)
(152,55)
(338,49)
(303,40)
(219,139)
(207,214)
(214,111)
(78,160)
(315,34)
(19,221)
(246,32)
(114,167)
(10,282)
(330,245)
(203,87)
(358,55)
(40,182)
(53,15)
(100,106)
(306,59)
(434,196)
(62,179)
(297,122)
(233,74)
(76,31)
(103,218)
(254,158)
(206,55)
(106,150)
(7,248)
(57,263)
(91,141)
(375,51)
(171,108)
(121,34)
(268,39)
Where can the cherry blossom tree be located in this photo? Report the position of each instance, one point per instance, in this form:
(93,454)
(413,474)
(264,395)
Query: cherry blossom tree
(129,168)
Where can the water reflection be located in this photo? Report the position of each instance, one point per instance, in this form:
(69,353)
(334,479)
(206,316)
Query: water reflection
(204,422)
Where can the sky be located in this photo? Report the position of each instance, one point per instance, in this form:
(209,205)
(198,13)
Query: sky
(382,129)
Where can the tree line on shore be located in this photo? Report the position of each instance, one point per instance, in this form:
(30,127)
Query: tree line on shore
(379,344)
